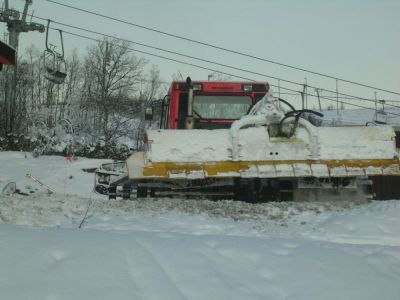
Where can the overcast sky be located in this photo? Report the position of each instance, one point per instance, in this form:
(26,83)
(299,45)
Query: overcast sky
(357,40)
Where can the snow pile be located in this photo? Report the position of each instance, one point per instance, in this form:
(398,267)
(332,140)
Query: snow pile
(45,210)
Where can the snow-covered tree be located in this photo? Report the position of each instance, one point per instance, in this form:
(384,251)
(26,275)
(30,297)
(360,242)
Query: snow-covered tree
(112,76)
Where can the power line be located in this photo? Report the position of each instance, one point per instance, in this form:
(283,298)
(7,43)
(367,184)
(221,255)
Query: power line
(221,48)
(172,52)
(209,61)
(222,72)
(159,56)
(209,69)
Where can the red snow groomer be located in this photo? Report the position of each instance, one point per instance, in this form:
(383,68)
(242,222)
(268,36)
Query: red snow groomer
(235,140)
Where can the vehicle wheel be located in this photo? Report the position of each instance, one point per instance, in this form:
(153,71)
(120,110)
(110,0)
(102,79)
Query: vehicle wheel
(101,189)
(112,193)
(126,193)
(142,192)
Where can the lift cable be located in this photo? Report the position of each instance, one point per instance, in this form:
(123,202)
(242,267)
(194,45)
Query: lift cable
(216,63)
(221,48)
(228,74)
(222,72)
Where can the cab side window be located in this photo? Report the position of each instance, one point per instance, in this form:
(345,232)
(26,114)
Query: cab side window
(182,110)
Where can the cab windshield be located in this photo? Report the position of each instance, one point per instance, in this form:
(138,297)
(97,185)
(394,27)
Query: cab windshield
(225,107)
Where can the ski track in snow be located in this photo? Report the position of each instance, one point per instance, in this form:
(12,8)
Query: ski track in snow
(154,272)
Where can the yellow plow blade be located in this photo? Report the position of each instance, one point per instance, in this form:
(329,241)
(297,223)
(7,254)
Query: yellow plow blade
(139,169)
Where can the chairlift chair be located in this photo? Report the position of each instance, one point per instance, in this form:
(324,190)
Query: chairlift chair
(54,62)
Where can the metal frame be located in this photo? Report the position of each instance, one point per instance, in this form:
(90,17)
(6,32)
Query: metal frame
(54,62)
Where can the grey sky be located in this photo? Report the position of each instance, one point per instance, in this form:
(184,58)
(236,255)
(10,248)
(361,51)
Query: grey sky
(354,39)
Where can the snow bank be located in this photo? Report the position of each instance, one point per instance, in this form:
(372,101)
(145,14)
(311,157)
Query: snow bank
(42,210)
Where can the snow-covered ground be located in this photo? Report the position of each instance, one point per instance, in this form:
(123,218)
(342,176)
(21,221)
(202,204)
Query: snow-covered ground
(361,116)
(186,249)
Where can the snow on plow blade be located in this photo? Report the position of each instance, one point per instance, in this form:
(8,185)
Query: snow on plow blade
(253,153)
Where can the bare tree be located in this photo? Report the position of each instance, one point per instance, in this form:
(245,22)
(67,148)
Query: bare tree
(112,76)
(103,96)
(152,90)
